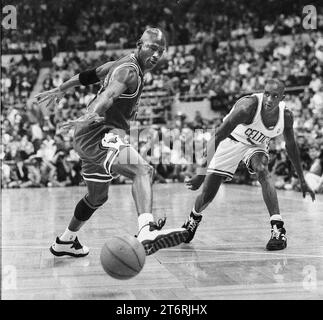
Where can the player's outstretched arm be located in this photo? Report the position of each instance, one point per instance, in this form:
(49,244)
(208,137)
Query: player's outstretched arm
(242,112)
(293,152)
(85,78)
(123,79)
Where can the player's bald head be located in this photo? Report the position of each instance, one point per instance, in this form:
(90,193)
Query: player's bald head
(273,94)
(276,85)
(154,35)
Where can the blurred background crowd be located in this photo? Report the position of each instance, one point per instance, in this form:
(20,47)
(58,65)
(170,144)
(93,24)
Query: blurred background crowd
(213,55)
(90,24)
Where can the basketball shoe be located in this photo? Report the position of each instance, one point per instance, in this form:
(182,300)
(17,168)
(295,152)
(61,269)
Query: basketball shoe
(278,240)
(153,238)
(191,225)
(68,248)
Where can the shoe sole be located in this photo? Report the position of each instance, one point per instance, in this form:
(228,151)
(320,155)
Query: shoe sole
(276,248)
(64,253)
(164,241)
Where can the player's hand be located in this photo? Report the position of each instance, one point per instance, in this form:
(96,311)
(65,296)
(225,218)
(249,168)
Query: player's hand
(50,97)
(195,182)
(305,188)
(85,119)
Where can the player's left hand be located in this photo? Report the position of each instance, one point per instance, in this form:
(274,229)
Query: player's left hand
(85,119)
(50,97)
(305,188)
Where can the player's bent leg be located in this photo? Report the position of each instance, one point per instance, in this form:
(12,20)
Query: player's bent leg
(278,240)
(151,234)
(211,186)
(259,163)
(131,165)
(68,244)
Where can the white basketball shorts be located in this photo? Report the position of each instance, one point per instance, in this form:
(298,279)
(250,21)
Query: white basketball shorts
(228,155)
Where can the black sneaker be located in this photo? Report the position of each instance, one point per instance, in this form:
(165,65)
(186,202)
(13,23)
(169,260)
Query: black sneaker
(68,248)
(153,238)
(278,240)
(191,225)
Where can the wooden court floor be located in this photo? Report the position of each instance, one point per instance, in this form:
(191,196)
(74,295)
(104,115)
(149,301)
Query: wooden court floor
(226,260)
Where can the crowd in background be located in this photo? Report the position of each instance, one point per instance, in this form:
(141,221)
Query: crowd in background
(90,24)
(17,81)
(35,154)
(238,67)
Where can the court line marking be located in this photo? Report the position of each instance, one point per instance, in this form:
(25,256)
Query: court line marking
(283,255)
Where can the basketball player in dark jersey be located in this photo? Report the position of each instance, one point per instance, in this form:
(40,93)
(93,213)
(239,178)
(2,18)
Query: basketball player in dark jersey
(99,140)
(244,136)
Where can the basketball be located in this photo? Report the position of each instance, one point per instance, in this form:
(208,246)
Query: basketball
(122,257)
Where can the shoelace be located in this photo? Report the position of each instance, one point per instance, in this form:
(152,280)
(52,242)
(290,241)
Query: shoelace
(159,224)
(192,224)
(275,233)
(77,244)
(154,225)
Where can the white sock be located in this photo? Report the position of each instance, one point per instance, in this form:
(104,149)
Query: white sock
(277,217)
(196,213)
(68,235)
(144,218)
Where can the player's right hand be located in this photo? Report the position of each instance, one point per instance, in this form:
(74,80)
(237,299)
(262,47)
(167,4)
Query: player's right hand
(195,182)
(88,118)
(50,97)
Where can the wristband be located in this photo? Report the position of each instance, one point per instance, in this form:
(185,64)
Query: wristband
(88,77)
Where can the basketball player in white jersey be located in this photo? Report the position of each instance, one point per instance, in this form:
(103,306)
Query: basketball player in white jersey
(244,135)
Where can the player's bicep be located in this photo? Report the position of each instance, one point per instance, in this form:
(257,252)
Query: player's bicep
(122,80)
(114,90)
(227,126)
(240,114)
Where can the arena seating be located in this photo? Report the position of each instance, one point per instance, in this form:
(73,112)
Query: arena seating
(34,154)
(101,24)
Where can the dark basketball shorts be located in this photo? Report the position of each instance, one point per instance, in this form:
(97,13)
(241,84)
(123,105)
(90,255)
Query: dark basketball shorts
(98,151)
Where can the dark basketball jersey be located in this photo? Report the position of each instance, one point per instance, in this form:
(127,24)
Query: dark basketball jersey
(117,117)
(125,108)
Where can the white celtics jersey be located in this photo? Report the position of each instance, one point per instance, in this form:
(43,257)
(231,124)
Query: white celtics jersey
(257,133)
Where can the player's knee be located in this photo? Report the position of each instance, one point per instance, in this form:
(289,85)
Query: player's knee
(97,199)
(260,166)
(262,172)
(144,171)
(87,206)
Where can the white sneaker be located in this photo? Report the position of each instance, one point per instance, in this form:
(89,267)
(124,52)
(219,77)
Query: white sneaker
(153,238)
(69,248)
